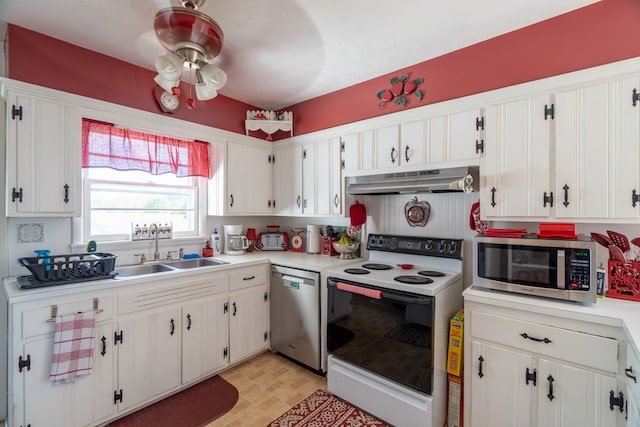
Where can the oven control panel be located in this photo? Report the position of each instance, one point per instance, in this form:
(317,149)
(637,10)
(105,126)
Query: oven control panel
(426,246)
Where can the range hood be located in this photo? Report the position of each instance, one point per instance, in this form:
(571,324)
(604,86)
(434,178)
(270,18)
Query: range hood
(456,179)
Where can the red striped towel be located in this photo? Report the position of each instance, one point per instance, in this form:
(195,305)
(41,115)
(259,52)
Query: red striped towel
(72,347)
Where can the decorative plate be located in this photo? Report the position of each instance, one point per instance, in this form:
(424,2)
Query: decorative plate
(417,213)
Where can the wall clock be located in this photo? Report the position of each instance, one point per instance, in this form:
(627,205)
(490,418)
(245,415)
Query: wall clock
(167,101)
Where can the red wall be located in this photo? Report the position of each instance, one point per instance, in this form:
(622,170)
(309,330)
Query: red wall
(601,33)
(604,32)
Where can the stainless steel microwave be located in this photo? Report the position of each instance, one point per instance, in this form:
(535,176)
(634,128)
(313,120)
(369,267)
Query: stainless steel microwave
(561,269)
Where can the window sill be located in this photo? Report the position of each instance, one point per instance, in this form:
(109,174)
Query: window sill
(127,245)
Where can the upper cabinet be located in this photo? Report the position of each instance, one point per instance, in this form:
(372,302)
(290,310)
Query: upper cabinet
(242,185)
(43,157)
(573,155)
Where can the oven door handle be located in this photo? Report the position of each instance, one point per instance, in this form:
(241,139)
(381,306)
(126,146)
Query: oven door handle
(392,296)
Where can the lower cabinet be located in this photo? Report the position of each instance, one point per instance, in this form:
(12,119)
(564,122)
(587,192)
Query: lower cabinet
(152,338)
(523,370)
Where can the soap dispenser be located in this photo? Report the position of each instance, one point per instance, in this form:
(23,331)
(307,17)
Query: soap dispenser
(207,251)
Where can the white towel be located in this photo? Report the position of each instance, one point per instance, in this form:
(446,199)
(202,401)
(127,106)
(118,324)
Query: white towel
(72,347)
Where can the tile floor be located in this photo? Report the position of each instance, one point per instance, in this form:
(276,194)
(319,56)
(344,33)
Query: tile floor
(268,385)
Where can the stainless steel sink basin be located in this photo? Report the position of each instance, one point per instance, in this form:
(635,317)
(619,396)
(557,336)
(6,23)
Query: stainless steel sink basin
(138,270)
(195,263)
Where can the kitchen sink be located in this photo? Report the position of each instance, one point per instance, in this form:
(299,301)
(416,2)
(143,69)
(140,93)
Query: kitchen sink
(195,263)
(138,270)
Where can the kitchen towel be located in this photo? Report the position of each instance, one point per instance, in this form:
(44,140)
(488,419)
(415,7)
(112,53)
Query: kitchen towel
(371,293)
(72,347)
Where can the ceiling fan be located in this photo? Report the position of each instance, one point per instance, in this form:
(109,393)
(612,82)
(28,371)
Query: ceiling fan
(192,40)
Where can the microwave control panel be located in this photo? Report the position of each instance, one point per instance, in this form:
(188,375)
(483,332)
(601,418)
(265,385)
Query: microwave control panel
(578,269)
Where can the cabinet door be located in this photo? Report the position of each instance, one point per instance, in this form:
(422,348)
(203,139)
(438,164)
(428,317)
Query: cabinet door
(248,323)
(328,177)
(582,153)
(288,180)
(260,176)
(204,337)
(309,169)
(235,172)
(335,174)
(388,147)
(149,356)
(573,396)
(515,165)
(351,153)
(463,134)
(43,158)
(500,395)
(413,141)
(632,410)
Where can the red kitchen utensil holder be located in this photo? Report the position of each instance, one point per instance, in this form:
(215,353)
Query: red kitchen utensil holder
(624,280)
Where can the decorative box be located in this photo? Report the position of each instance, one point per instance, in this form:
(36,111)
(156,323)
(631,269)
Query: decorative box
(624,280)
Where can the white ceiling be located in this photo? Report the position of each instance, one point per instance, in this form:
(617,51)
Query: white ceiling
(280,52)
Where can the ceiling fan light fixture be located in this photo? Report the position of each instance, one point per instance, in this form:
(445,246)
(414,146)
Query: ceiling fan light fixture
(166,84)
(205,93)
(169,66)
(213,76)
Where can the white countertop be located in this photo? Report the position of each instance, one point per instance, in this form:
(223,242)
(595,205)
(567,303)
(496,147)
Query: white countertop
(304,261)
(606,311)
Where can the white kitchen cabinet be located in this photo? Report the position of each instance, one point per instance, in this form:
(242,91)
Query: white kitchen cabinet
(515,176)
(248,312)
(43,157)
(148,356)
(525,369)
(205,343)
(34,400)
(327,178)
(248,179)
(632,376)
(456,138)
(287,180)
(401,145)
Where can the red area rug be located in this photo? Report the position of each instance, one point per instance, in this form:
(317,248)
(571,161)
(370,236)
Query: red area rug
(322,409)
(194,407)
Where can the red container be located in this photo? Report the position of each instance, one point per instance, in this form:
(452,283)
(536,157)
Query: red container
(558,230)
(624,280)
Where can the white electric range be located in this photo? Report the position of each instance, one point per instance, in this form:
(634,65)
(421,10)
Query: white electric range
(387,327)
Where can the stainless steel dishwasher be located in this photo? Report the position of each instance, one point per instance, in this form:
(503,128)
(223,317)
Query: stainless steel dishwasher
(295,314)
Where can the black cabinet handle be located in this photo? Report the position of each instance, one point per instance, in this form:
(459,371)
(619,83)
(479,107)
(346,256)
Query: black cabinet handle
(248,278)
(66,194)
(406,154)
(493,197)
(550,394)
(188,321)
(530,376)
(235,309)
(104,345)
(629,373)
(566,195)
(527,337)
(393,156)
(336,201)
(481,360)
(173,326)
(231,196)
(298,201)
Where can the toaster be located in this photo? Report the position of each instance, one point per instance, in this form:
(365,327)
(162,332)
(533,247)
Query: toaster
(273,241)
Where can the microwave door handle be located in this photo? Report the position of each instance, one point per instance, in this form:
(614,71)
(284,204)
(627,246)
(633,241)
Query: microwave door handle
(560,267)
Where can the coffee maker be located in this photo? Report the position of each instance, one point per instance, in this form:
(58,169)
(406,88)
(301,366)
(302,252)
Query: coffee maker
(234,241)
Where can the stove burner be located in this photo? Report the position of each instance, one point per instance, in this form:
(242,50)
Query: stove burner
(356,271)
(376,266)
(431,273)
(413,280)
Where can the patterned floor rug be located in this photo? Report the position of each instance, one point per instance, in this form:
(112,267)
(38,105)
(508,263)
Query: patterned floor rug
(322,409)
(194,407)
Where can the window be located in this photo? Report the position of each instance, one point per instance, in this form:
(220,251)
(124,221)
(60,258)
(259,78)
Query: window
(140,185)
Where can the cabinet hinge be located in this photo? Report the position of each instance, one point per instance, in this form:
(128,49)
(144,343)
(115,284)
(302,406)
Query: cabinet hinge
(24,363)
(341,145)
(18,112)
(118,337)
(117,396)
(266,335)
(479,146)
(635,198)
(266,296)
(304,154)
(479,123)
(616,401)
(16,195)
(549,111)
(225,352)
(226,307)
(531,376)
(342,163)
(547,199)
(635,97)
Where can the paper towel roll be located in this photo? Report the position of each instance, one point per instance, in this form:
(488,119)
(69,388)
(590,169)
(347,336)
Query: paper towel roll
(313,239)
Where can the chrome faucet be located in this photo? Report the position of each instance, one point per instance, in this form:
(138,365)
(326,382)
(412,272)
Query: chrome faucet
(156,254)
(181,253)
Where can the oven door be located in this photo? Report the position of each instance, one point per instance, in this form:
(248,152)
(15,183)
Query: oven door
(383,331)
